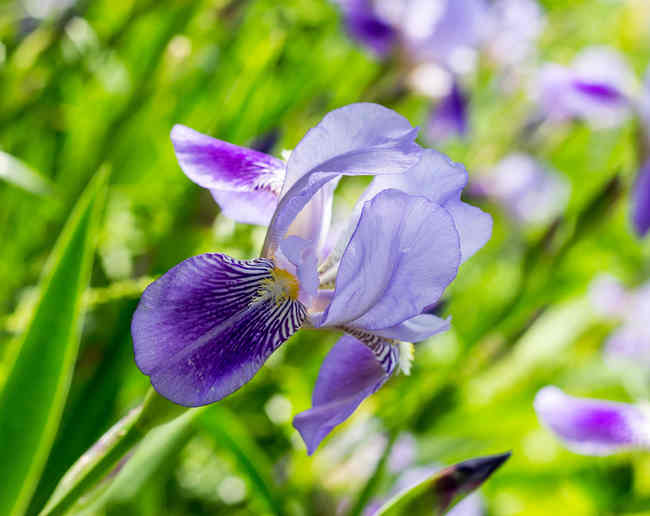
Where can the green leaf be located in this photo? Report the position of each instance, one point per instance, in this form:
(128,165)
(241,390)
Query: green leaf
(439,492)
(17,173)
(36,387)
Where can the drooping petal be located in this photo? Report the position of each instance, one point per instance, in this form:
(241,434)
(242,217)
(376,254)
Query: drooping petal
(592,426)
(448,119)
(359,139)
(205,327)
(349,374)
(441,181)
(401,257)
(416,329)
(641,213)
(254,177)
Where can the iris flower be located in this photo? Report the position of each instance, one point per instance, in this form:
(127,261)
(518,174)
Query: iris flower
(206,327)
(591,426)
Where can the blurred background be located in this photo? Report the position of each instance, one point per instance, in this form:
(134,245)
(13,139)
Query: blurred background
(97,85)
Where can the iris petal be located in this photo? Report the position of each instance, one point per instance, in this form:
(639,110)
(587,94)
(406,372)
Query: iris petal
(204,328)
(641,213)
(591,426)
(359,139)
(349,374)
(403,254)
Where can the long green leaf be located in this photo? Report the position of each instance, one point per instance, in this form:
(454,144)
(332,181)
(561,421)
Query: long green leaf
(35,390)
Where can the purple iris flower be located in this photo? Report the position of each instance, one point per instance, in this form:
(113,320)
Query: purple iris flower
(591,426)
(205,327)
(531,192)
(594,88)
(631,341)
(641,195)
(448,119)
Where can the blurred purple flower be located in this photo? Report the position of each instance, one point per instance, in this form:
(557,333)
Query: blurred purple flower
(530,192)
(594,89)
(591,426)
(632,340)
(205,327)
(448,119)
(641,201)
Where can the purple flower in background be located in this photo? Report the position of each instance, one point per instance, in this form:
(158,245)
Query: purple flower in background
(591,426)
(448,119)
(641,201)
(631,341)
(594,88)
(532,193)
(205,327)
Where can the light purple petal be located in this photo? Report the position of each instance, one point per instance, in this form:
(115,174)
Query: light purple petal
(224,168)
(641,213)
(592,426)
(632,342)
(254,207)
(448,119)
(359,139)
(416,329)
(441,180)
(205,327)
(300,253)
(366,26)
(403,254)
(349,374)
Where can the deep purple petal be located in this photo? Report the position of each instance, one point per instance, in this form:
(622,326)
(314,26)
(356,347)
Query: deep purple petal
(349,374)
(366,26)
(448,119)
(254,207)
(359,139)
(416,329)
(641,213)
(205,327)
(225,168)
(441,180)
(401,257)
(591,426)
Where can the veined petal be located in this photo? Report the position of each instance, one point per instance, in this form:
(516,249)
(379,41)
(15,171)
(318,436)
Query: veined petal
(403,254)
(359,139)
(415,329)
(441,181)
(641,210)
(205,327)
(592,426)
(349,374)
(254,177)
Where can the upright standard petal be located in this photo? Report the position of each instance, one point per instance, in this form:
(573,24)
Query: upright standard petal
(591,426)
(401,257)
(350,373)
(441,181)
(244,182)
(641,209)
(204,328)
(359,139)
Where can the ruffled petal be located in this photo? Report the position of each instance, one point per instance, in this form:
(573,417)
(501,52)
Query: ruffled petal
(359,139)
(592,426)
(403,254)
(641,210)
(349,374)
(416,329)
(246,183)
(441,181)
(205,327)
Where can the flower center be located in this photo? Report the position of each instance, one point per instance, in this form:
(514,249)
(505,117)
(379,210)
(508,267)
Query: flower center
(280,286)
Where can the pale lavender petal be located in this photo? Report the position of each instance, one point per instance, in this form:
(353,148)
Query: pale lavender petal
(349,374)
(592,426)
(254,207)
(609,297)
(631,342)
(416,329)
(401,257)
(301,254)
(641,213)
(448,119)
(441,180)
(205,327)
(366,26)
(359,139)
